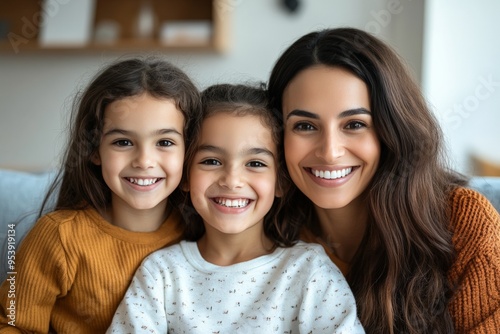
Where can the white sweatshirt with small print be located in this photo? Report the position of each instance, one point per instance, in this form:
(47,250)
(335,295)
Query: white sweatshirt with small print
(292,290)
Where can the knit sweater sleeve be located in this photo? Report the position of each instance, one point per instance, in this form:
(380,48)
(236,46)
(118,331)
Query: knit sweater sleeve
(475,306)
(37,279)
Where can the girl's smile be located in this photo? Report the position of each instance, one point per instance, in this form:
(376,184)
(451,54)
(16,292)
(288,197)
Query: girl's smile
(141,156)
(232,203)
(232,179)
(143,184)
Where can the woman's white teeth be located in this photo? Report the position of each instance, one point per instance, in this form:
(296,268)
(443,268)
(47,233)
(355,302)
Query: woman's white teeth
(331,175)
(143,182)
(232,203)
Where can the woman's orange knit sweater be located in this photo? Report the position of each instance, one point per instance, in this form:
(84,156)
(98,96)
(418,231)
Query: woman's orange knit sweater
(72,271)
(475,306)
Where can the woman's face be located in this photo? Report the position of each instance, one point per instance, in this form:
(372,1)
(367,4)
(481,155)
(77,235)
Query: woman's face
(331,148)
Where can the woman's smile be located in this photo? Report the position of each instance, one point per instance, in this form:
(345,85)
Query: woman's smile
(331,147)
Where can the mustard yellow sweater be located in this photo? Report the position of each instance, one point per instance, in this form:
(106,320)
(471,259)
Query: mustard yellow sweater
(475,306)
(72,271)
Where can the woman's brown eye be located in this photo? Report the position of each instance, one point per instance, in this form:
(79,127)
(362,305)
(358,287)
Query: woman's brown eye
(303,127)
(355,125)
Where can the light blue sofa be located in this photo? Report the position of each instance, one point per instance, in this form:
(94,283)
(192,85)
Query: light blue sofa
(21,195)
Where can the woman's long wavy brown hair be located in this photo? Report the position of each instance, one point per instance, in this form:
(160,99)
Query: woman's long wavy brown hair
(399,273)
(79,183)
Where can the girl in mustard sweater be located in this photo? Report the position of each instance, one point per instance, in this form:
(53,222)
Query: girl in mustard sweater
(420,251)
(116,204)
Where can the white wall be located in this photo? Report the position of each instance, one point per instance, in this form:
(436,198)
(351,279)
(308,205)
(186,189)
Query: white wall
(36,89)
(461,75)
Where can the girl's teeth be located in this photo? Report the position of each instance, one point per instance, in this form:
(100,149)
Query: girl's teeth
(331,175)
(143,182)
(232,203)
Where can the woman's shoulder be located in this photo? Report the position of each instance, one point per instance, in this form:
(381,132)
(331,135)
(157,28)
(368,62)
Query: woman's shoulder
(468,205)
(473,219)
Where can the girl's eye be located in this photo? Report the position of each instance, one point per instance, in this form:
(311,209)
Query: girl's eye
(354,125)
(165,142)
(256,164)
(122,142)
(211,162)
(303,126)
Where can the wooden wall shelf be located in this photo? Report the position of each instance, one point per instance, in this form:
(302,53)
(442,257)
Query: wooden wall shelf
(21,23)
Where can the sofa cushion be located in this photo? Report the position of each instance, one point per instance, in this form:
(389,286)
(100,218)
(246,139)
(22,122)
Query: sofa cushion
(21,196)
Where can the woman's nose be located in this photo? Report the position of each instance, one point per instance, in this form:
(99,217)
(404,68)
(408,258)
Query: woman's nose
(331,146)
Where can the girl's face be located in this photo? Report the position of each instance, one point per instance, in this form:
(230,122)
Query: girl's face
(141,152)
(331,148)
(232,178)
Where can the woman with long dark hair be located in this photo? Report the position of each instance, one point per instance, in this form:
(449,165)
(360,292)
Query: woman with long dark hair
(420,251)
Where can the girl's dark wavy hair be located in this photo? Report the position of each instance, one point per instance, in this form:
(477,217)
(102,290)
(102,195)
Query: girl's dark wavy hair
(398,275)
(241,100)
(80,183)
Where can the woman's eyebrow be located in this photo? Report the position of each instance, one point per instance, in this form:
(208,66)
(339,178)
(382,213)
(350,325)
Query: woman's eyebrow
(343,114)
(355,111)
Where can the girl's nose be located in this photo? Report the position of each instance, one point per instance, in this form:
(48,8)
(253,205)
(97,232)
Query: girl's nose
(144,159)
(231,179)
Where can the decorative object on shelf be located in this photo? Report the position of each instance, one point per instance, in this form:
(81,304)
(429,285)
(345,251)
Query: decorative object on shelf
(186,32)
(146,21)
(291,5)
(66,24)
(107,32)
(4,29)
(483,166)
(115,25)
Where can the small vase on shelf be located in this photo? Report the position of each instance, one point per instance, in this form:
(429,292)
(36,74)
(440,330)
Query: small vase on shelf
(146,21)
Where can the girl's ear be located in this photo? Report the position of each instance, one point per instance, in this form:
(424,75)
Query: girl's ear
(96,158)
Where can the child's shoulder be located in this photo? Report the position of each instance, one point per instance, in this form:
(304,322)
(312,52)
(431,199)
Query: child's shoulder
(309,247)
(58,227)
(169,253)
(62,217)
(166,257)
(310,259)
(310,252)
(67,222)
